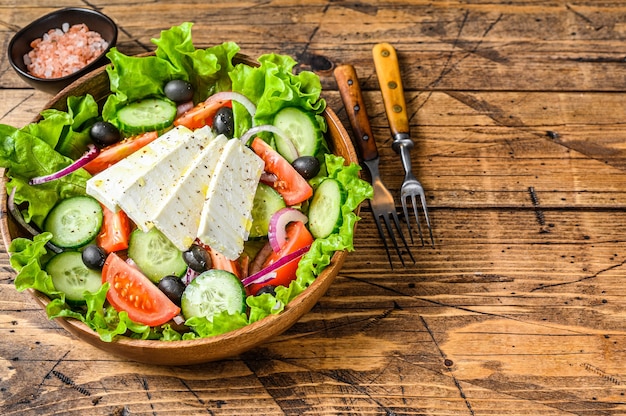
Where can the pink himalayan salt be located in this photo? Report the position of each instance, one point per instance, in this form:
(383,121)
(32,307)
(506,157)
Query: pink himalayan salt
(61,52)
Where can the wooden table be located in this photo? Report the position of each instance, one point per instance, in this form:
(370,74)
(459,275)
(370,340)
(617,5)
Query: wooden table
(518,112)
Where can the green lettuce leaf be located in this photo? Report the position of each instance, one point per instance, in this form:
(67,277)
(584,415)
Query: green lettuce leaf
(136,77)
(273,86)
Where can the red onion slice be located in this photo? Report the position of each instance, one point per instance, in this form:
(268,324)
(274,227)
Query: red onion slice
(90,154)
(20,219)
(261,275)
(179,319)
(253,131)
(225,96)
(189,276)
(278,223)
(182,108)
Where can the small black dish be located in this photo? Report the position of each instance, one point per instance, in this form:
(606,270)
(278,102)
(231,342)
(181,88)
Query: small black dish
(20,44)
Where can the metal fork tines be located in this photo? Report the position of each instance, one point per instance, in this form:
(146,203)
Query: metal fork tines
(411,190)
(388,73)
(382,204)
(383,207)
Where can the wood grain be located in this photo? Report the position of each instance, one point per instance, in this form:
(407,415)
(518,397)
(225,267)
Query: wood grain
(517,111)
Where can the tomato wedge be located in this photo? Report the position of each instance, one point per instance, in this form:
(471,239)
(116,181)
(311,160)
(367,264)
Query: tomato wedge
(289,183)
(201,115)
(131,291)
(110,155)
(115,231)
(298,236)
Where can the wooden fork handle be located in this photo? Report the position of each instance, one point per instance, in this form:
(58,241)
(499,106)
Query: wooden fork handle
(350,90)
(390,81)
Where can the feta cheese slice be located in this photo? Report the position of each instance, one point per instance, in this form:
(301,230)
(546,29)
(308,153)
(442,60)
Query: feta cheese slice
(178,217)
(109,185)
(226,216)
(142,197)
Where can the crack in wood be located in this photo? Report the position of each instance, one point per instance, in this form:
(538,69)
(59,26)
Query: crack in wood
(144,384)
(69,382)
(448,368)
(600,373)
(539,214)
(582,279)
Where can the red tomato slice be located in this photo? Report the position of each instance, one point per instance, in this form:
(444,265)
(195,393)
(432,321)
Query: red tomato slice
(115,231)
(298,236)
(134,293)
(289,183)
(110,155)
(201,115)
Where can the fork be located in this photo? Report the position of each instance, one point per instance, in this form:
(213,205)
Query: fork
(388,72)
(382,204)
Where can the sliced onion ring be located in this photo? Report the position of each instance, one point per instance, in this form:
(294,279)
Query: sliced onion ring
(184,107)
(261,275)
(91,153)
(253,131)
(262,279)
(189,276)
(233,96)
(278,223)
(18,217)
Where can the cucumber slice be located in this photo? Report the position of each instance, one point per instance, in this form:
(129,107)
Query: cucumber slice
(71,276)
(266,202)
(74,221)
(155,255)
(303,130)
(146,115)
(213,292)
(325,209)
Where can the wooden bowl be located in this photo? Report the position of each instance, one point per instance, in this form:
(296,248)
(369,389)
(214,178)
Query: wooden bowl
(199,350)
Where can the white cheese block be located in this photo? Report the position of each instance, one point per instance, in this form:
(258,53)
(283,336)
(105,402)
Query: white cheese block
(226,216)
(143,198)
(109,185)
(179,215)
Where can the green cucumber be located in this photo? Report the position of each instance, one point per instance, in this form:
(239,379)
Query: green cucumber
(303,130)
(146,115)
(71,276)
(213,292)
(266,202)
(74,221)
(325,209)
(155,255)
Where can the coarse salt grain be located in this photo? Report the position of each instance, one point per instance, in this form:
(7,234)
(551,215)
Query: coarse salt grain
(61,52)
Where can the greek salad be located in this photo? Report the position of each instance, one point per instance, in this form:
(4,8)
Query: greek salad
(200,197)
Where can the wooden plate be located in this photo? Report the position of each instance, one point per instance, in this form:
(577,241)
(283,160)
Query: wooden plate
(206,349)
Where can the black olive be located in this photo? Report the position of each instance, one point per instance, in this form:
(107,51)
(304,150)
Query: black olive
(178,90)
(103,133)
(306,166)
(94,256)
(223,122)
(266,289)
(197,258)
(173,288)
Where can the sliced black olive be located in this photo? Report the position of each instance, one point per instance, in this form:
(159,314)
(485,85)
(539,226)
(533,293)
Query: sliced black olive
(223,122)
(103,134)
(266,289)
(178,90)
(94,256)
(172,287)
(197,258)
(306,166)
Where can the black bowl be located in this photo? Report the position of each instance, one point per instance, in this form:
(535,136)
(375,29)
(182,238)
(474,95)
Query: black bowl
(20,44)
